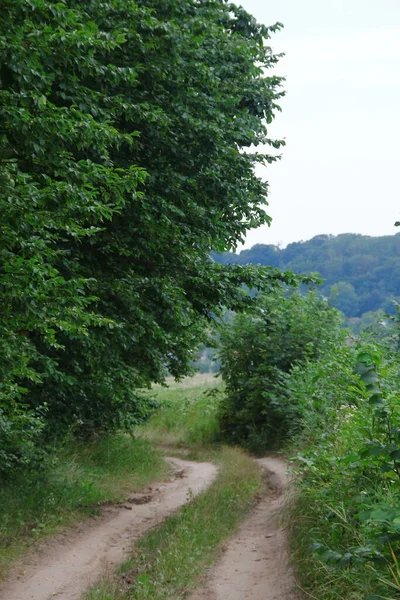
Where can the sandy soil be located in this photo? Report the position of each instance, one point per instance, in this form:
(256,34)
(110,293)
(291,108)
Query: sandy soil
(254,565)
(66,567)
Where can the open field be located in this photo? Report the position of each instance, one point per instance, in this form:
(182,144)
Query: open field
(188,413)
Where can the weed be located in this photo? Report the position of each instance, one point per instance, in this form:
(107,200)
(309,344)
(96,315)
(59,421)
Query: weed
(347,520)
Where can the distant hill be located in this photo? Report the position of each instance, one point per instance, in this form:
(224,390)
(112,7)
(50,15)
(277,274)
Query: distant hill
(361,273)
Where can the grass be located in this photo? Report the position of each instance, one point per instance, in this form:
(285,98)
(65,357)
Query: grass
(169,560)
(188,414)
(79,477)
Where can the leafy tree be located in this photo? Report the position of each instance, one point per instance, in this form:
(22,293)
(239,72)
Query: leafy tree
(258,352)
(52,197)
(121,168)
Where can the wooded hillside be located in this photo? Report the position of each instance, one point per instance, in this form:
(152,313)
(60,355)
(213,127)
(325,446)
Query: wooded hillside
(361,273)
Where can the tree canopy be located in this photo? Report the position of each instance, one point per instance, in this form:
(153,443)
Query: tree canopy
(258,351)
(123,125)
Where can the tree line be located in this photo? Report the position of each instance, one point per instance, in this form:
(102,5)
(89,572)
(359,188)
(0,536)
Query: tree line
(360,273)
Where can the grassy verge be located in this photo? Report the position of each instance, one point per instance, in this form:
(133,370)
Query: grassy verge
(188,413)
(346,521)
(169,560)
(331,547)
(79,476)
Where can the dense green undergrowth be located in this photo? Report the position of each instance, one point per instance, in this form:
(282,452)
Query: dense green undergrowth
(346,521)
(76,477)
(169,560)
(294,380)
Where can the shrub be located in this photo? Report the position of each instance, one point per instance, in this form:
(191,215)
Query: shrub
(258,351)
(346,523)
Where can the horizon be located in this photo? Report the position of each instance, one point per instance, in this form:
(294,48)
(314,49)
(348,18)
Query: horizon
(304,241)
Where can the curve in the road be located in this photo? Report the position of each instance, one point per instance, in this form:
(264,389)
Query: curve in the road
(255,564)
(67,568)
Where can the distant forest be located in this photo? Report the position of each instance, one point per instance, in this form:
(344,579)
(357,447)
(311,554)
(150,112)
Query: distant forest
(361,273)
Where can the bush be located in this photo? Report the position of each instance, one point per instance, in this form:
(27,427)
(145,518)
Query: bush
(319,389)
(258,352)
(346,525)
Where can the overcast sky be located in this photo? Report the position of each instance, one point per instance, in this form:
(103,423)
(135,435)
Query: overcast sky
(341,118)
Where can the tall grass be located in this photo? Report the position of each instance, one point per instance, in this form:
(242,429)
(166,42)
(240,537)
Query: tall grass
(78,477)
(168,561)
(188,412)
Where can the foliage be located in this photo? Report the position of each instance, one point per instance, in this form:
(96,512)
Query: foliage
(78,476)
(258,351)
(121,168)
(20,431)
(170,559)
(361,273)
(320,388)
(348,511)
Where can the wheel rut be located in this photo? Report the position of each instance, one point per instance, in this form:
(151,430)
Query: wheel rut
(70,564)
(255,562)
(253,566)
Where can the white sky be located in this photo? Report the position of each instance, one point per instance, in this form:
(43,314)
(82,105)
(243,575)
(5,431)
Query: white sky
(341,118)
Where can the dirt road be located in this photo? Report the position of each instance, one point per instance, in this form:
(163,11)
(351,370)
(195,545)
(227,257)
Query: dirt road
(254,565)
(69,565)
